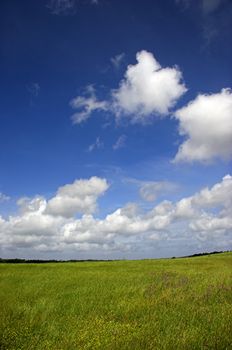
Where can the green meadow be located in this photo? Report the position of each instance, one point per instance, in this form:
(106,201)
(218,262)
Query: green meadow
(149,304)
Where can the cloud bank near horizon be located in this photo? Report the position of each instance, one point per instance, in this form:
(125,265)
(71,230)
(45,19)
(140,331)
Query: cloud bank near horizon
(52,225)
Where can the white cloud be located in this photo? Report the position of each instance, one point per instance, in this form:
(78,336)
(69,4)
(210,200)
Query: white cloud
(96,145)
(207,124)
(147,89)
(120,143)
(219,198)
(150,190)
(86,106)
(30,205)
(66,7)
(208,224)
(41,225)
(117,60)
(218,195)
(184,209)
(4,198)
(130,221)
(79,197)
(62,7)
(31,227)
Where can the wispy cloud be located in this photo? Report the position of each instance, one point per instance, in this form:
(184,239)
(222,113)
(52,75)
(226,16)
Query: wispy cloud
(184,4)
(206,6)
(215,16)
(66,7)
(151,190)
(4,198)
(86,105)
(120,143)
(34,89)
(117,60)
(209,6)
(62,7)
(98,144)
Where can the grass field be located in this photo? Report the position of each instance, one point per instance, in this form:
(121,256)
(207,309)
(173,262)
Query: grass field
(149,304)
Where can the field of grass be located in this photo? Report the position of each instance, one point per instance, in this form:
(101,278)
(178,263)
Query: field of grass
(150,304)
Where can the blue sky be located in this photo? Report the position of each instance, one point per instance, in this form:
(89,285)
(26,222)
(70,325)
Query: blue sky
(129,103)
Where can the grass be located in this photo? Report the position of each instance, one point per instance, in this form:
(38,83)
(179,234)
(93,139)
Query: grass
(149,304)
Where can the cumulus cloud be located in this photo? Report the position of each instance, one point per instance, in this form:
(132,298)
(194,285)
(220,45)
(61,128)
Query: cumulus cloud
(206,122)
(31,228)
(131,221)
(120,143)
(218,195)
(30,205)
(86,105)
(147,89)
(50,225)
(217,198)
(79,197)
(208,224)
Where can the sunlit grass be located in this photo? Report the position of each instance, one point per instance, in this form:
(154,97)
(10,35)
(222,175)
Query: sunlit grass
(150,304)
